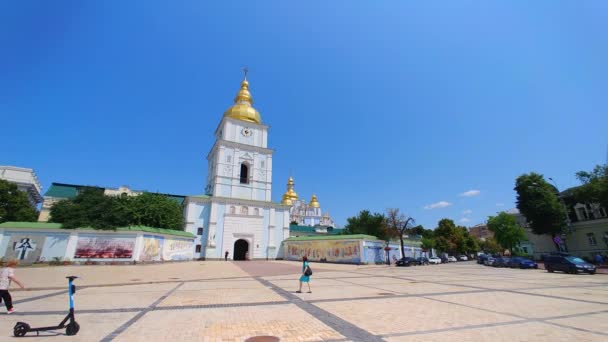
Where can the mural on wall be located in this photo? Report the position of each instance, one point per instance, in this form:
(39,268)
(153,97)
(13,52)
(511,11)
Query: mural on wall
(176,249)
(25,248)
(152,248)
(104,247)
(328,250)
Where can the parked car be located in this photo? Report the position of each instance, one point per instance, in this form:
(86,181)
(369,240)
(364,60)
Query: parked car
(489,260)
(520,262)
(451,258)
(481,258)
(501,262)
(406,261)
(422,261)
(462,258)
(567,264)
(434,260)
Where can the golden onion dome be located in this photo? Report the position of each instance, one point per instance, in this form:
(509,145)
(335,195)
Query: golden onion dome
(314,203)
(290,194)
(286,200)
(242,108)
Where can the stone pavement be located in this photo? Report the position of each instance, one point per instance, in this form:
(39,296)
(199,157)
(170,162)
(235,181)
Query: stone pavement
(233,301)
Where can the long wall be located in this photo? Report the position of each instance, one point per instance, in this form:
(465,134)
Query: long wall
(45,245)
(345,250)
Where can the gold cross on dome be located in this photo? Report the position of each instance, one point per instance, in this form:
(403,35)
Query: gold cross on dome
(245,70)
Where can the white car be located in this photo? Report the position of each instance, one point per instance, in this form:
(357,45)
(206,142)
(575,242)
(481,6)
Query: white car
(434,260)
(451,259)
(463,258)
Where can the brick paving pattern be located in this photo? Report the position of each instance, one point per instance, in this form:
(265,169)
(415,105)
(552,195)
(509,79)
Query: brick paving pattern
(233,301)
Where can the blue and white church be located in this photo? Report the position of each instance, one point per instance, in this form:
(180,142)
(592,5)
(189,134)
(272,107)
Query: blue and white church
(236,213)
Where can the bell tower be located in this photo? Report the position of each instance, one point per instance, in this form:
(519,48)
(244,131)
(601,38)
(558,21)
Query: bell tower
(240,163)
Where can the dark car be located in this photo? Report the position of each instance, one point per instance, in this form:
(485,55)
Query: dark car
(482,258)
(519,262)
(567,264)
(422,261)
(406,261)
(501,262)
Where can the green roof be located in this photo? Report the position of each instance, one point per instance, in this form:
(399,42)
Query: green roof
(48,225)
(31,225)
(334,237)
(59,190)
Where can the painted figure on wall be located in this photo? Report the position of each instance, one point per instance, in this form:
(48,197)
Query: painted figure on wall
(24,246)
(111,248)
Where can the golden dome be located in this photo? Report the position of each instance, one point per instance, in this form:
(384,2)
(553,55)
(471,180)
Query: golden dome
(242,109)
(290,194)
(314,203)
(286,200)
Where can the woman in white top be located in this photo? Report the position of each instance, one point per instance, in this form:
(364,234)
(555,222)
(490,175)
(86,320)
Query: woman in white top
(7,275)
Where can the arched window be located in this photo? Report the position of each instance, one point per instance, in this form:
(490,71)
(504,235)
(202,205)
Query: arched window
(244,210)
(244,173)
(232,210)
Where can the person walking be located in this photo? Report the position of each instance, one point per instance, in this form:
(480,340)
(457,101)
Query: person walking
(226,255)
(306,273)
(7,275)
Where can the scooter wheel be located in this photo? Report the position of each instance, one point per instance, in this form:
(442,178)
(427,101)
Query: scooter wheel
(72,328)
(20,329)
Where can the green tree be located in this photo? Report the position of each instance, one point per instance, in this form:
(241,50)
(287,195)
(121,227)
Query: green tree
(397,225)
(448,237)
(491,246)
(419,230)
(14,204)
(538,201)
(91,208)
(367,223)
(428,243)
(506,230)
(594,188)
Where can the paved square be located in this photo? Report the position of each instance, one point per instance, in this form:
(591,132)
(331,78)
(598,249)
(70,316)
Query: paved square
(232,301)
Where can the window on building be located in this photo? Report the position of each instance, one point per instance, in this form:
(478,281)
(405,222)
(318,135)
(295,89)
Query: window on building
(591,238)
(244,210)
(582,213)
(199,231)
(262,164)
(198,248)
(228,159)
(232,210)
(256,211)
(244,173)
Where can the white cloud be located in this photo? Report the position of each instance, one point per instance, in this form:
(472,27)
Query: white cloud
(470,193)
(441,204)
(467,212)
(500,204)
(464,220)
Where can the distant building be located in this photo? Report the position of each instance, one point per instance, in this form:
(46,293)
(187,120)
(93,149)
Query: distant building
(305,213)
(26,181)
(298,230)
(586,236)
(481,231)
(61,191)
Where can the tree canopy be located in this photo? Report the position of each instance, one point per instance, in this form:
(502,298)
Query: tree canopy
(594,188)
(506,230)
(491,246)
(538,201)
(367,223)
(14,204)
(91,208)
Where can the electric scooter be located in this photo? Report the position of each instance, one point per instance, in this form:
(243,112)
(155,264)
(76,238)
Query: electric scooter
(71,328)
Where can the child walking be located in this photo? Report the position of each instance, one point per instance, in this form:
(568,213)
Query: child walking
(7,275)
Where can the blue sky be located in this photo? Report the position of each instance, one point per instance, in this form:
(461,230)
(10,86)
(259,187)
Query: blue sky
(371,105)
